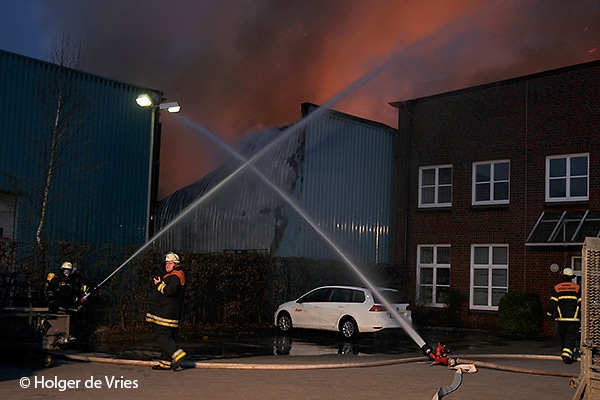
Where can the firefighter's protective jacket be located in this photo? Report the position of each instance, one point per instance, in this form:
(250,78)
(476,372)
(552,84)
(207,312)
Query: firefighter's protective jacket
(565,302)
(166,300)
(64,293)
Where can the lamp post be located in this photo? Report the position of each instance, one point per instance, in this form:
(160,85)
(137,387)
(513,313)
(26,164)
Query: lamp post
(147,101)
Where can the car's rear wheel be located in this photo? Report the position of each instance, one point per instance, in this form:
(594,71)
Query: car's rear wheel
(349,328)
(284,322)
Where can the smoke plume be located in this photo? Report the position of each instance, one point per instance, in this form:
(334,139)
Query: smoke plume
(238,65)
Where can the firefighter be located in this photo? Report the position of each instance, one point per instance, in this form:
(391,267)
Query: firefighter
(164,312)
(565,309)
(64,290)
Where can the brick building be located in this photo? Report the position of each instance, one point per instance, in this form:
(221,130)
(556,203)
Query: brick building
(497,187)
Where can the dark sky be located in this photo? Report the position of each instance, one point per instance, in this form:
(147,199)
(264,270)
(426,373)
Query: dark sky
(239,65)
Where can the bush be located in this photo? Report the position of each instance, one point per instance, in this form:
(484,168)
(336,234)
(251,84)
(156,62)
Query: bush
(520,314)
(240,288)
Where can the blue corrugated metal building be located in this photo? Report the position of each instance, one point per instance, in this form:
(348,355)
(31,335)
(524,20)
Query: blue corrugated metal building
(335,166)
(103,187)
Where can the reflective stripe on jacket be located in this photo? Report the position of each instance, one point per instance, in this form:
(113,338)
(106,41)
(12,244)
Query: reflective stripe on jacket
(166,300)
(565,302)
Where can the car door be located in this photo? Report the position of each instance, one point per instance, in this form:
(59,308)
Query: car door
(332,309)
(308,308)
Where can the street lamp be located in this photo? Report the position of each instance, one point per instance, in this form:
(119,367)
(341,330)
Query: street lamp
(154,102)
(144,100)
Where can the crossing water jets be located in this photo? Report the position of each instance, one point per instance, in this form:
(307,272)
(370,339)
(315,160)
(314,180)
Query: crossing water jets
(406,55)
(313,224)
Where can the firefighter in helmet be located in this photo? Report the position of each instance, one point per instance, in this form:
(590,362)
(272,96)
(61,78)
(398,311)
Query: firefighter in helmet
(165,305)
(565,308)
(65,290)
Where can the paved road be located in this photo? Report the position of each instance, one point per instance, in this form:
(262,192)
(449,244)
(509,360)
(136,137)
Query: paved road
(276,377)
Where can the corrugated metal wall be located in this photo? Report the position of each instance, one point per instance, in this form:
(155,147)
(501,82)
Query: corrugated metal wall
(338,167)
(99,194)
(346,186)
(241,214)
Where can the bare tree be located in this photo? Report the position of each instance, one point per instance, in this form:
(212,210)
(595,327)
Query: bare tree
(59,156)
(64,108)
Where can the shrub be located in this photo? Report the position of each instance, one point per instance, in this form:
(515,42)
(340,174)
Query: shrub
(520,314)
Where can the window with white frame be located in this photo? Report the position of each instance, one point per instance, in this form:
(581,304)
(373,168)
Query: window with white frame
(489,275)
(433,274)
(491,182)
(576,266)
(435,186)
(567,177)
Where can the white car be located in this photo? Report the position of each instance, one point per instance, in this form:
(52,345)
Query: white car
(347,309)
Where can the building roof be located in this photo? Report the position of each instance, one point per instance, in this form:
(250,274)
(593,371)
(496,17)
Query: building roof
(523,78)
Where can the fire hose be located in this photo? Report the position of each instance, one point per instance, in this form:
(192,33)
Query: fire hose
(461,366)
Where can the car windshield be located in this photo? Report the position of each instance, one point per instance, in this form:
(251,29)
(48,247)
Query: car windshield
(392,296)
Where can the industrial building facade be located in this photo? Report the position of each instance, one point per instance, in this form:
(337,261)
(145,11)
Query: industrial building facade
(330,168)
(102,146)
(497,187)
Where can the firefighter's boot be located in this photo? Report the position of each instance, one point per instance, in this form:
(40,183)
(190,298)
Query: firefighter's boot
(162,366)
(177,358)
(567,355)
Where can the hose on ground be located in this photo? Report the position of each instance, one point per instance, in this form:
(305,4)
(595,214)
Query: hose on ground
(483,364)
(288,366)
(254,366)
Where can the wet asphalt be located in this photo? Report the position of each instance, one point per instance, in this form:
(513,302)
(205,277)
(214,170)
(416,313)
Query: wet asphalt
(317,343)
(304,366)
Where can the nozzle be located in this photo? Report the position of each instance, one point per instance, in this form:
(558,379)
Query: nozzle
(426,349)
(88,293)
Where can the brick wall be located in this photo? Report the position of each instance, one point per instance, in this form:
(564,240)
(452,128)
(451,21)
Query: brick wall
(523,120)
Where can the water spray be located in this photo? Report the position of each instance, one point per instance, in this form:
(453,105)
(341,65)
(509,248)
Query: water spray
(408,329)
(357,84)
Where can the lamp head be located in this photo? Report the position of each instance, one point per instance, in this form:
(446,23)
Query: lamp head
(172,107)
(144,100)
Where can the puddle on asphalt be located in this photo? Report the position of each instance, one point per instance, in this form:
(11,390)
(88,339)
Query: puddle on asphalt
(309,343)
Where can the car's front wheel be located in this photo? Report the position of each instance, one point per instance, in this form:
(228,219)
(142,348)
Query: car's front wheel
(349,328)
(284,322)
